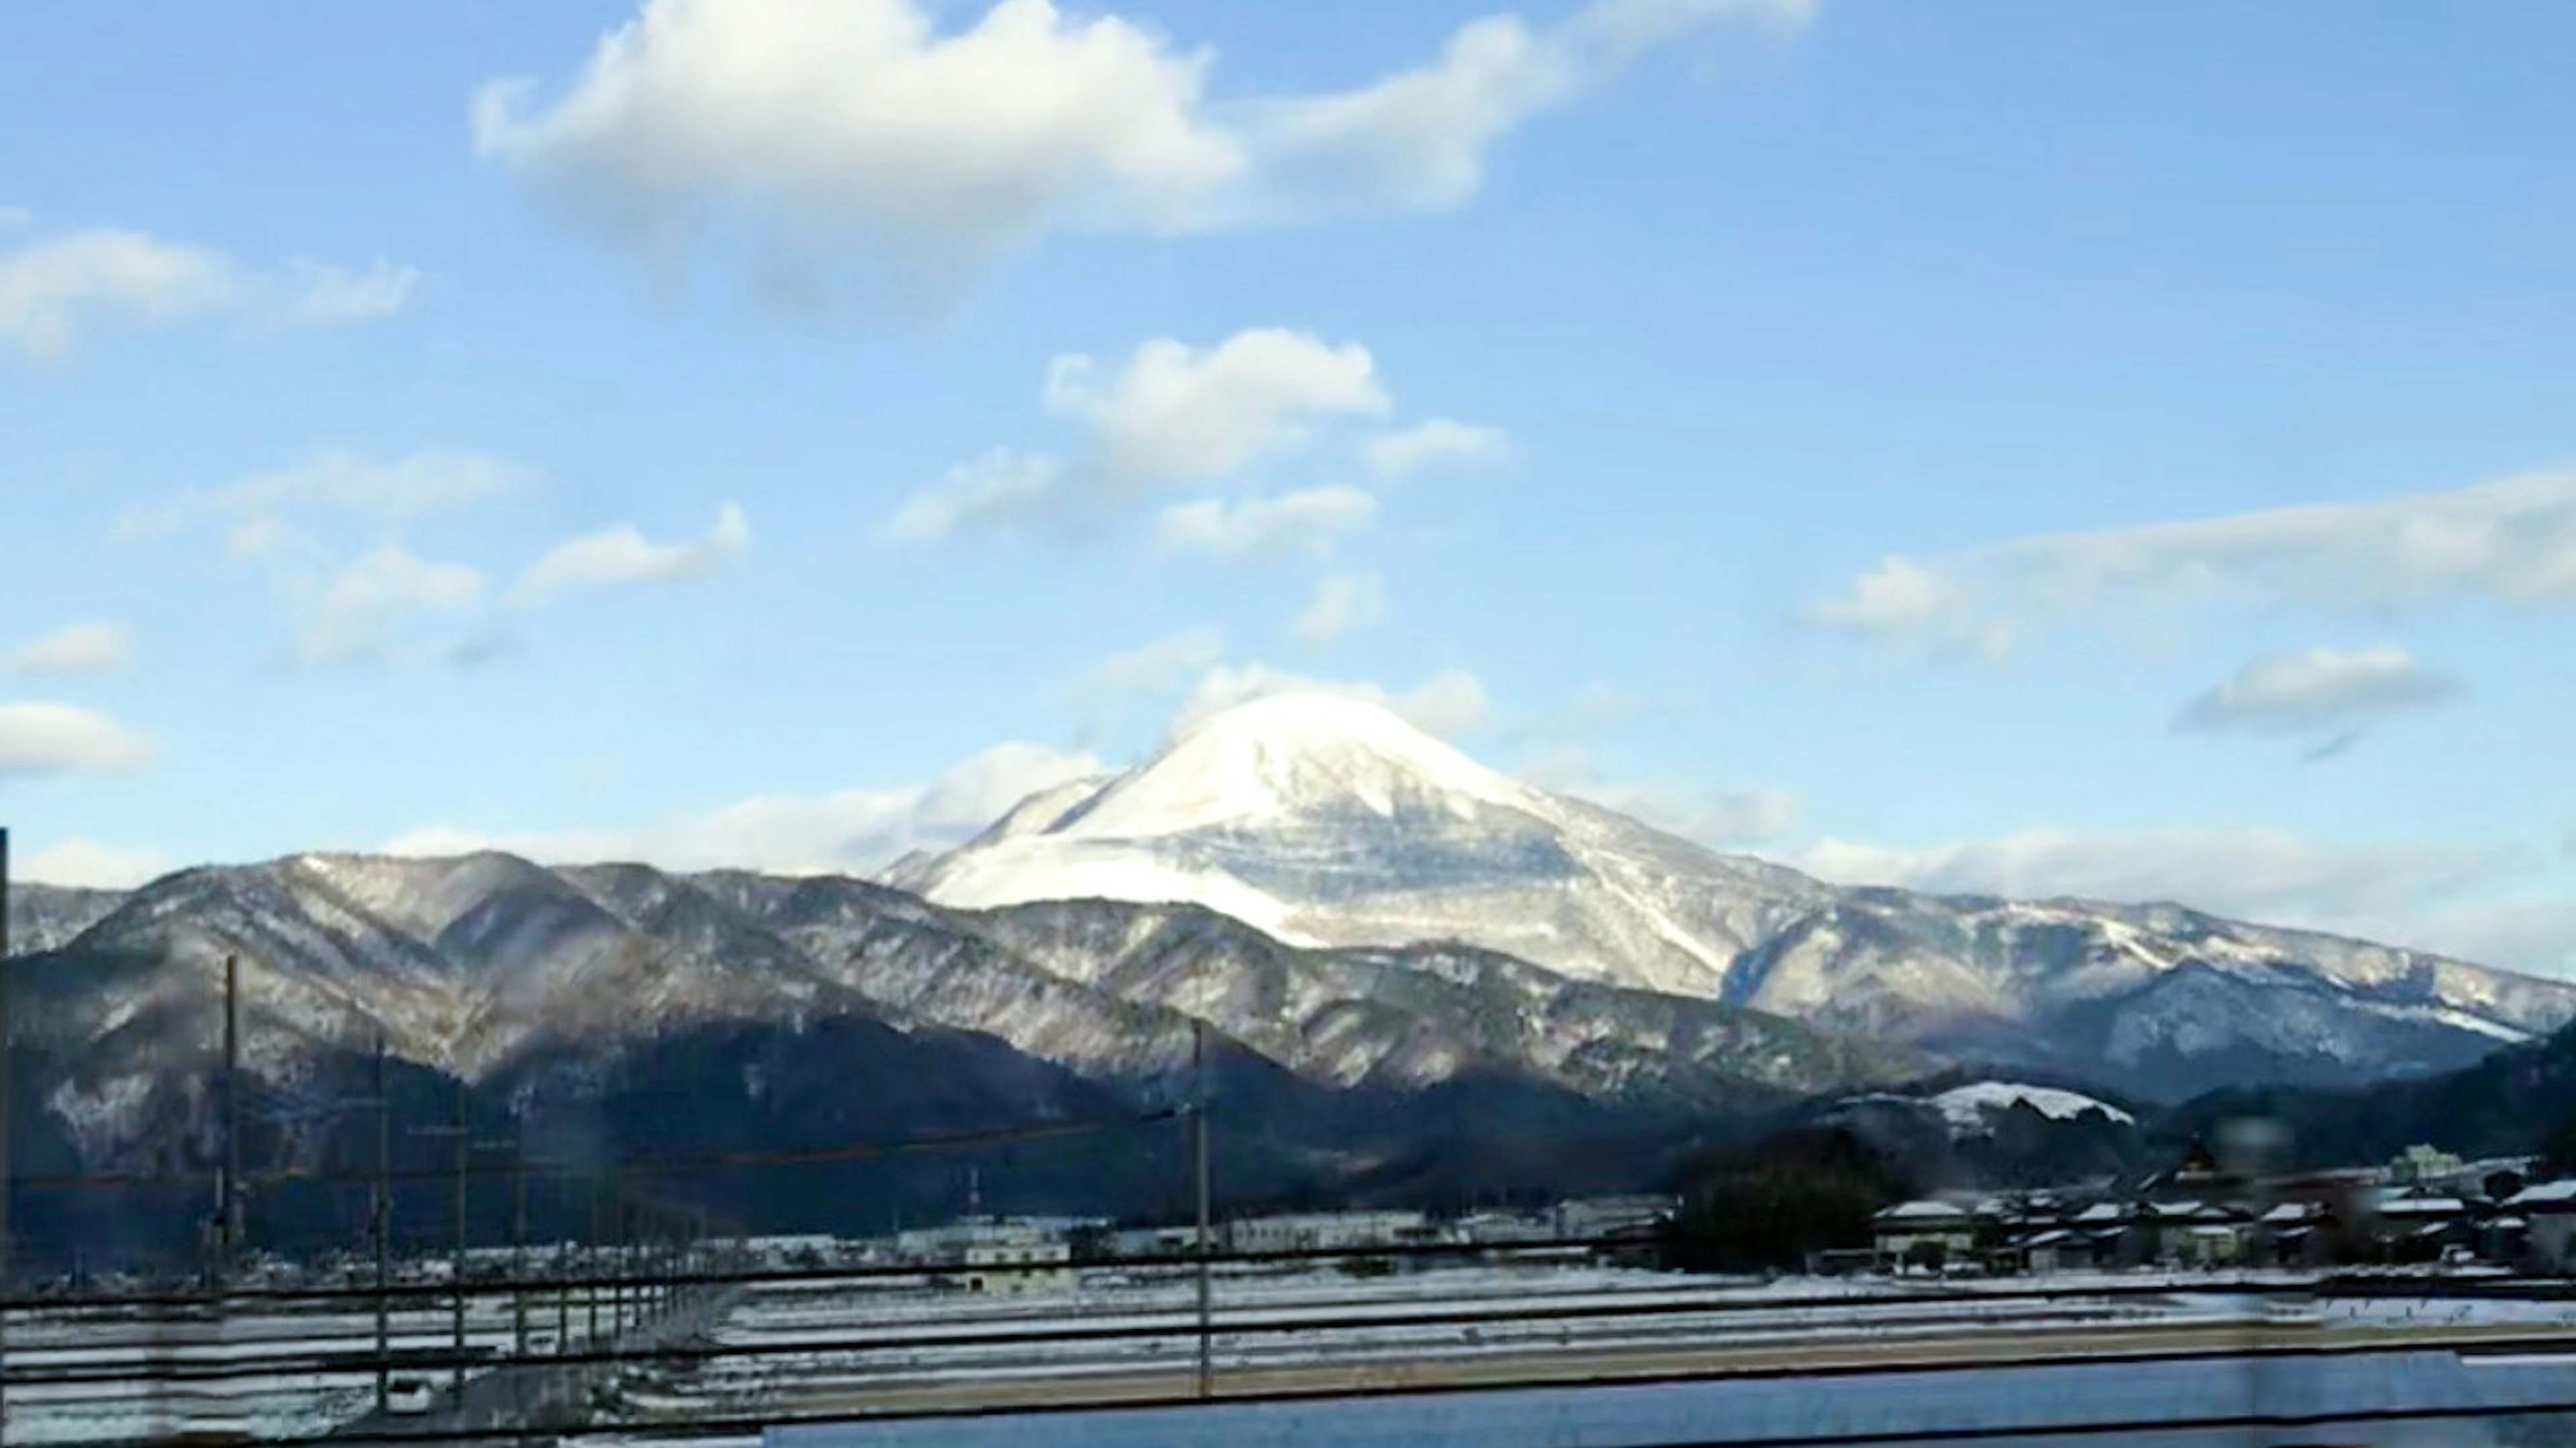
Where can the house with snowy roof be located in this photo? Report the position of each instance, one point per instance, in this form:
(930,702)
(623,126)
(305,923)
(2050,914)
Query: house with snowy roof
(2188,1234)
(2549,1214)
(1925,1230)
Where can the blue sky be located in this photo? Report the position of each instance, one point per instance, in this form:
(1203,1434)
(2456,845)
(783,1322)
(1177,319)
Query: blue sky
(2109,450)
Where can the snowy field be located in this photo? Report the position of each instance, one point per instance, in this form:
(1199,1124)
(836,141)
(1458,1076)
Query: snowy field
(142,1376)
(828,1348)
(832,1347)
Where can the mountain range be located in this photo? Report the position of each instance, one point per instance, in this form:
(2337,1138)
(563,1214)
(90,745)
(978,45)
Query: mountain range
(1327,821)
(1410,968)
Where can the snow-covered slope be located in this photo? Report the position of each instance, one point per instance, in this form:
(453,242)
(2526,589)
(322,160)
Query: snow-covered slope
(1323,821)
(1970,1108)
(42,917)
(488,966)
(1327,821)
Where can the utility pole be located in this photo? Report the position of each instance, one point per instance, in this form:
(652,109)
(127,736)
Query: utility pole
(519,1243)
(381,1211)
(229,1225)
(456,1267)
(590,1258)
(6,1179)
(563,1290)
(1199,1141)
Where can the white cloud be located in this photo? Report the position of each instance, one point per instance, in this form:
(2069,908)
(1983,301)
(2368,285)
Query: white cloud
(1452,703)
(354,611)
(1716,817)
(1595,705)
(2533,935)
(347,600)
(2317,689)
(1434,442)
(850,831)
(1343,602)
(81,648)
(835,125)
(2510,542)
(623,558)
(1156,668)
(38,739)
(1169,413)
(1174,412)
(330,296)
(55,289)
(328,535)
(1307,523)
(86,864)
(387,495)
(1000,487)
(2255,874)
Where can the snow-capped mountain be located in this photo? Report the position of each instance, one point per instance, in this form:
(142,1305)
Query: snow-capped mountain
(490,967)
(1328,821)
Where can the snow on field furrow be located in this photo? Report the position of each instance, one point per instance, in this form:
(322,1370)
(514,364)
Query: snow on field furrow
(1733,1324)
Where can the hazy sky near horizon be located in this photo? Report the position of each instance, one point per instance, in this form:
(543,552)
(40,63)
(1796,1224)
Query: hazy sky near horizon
(2121,451)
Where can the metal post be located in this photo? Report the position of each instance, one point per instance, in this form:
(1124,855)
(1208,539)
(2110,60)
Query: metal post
(6,1179)
(1199,1135)
(590,1258)
(381,1209)
(563,1292)
(229,1230)
(456,1268)
(519,1245)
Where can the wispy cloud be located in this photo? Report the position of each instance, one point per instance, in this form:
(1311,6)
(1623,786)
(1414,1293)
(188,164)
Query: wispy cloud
(386,495)
(86,864)
(81,648)
(2256,874)
(38,739)
(2318,691)
(2510,542)
(1307,523)
(56,289)
(1343,602)
(1155,669)
(1434,442)
(1452,703)
(622,557)
(1168,413)
(851,831)
(330,296)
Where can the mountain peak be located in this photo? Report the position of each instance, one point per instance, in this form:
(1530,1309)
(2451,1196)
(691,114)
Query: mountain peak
(1291,755)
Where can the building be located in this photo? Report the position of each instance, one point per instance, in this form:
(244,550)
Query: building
(1927,1233)
(2422,1226)
(2187,1234)
(2064,1249)
(1012,1262)
(2423,1164)
(1584,1219)
(2548,1212)
(995,1255)
(2296,1234)
(1157,1242)
(1328,1231)
(1484,1229)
